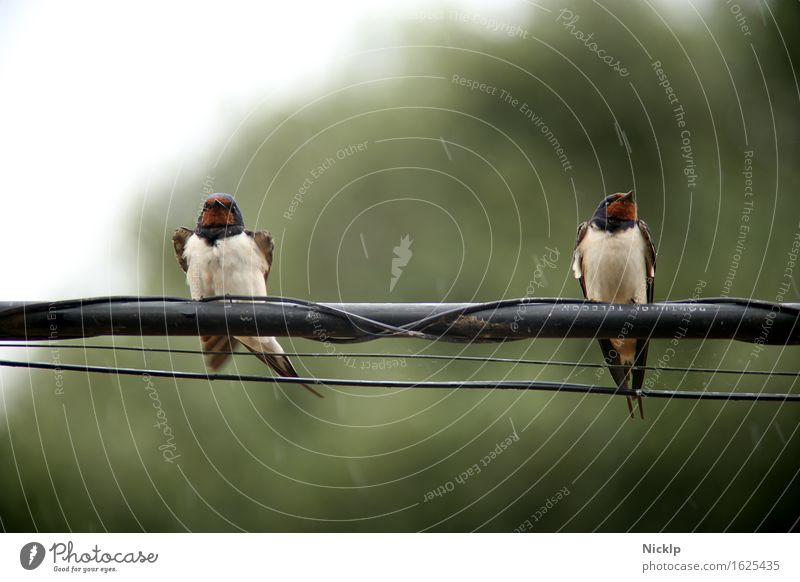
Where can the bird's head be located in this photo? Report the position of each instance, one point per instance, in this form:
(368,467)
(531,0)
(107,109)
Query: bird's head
(220,211)
(617,208)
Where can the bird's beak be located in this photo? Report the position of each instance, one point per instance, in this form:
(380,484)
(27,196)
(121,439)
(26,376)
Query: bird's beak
(629,196)
(219,203)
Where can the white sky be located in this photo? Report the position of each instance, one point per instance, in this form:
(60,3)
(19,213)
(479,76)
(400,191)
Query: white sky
(82,127)
(82,124)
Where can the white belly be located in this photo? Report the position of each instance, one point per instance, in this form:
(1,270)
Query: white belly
(232,266)
(613,266)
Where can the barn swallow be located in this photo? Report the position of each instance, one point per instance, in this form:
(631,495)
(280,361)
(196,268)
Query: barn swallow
(615,262)
(221,257)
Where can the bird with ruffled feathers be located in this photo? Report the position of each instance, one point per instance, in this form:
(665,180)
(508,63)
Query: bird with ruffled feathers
(615,262)
(221,257)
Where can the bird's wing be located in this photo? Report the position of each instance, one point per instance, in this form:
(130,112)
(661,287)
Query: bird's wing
(577,257)
(179,239)
(650,259)
(641,360)
(614,363)
(619,373)
(217,348)
(269,351)
(643,344)
(266,246)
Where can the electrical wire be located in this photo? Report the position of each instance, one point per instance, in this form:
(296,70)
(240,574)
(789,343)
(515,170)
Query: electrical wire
(375,329)
(292,380)
(473,384)
(389,355)
(379,329)
(385,328)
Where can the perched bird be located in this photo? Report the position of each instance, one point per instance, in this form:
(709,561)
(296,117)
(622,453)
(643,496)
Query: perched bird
(220,257)
(615,262)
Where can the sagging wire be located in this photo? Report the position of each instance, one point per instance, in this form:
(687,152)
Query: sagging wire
(451,385)
(389,355)
(413,329)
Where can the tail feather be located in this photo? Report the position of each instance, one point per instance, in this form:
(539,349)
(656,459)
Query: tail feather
(638,374)
(621,373)
(268,350)
(218,349)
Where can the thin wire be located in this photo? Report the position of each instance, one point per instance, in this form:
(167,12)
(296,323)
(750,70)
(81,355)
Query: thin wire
(488,359)
(479,384)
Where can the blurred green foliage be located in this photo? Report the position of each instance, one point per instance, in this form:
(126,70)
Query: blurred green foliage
(481,192)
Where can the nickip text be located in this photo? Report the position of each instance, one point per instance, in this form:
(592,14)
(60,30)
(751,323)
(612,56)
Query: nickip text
(661,549)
